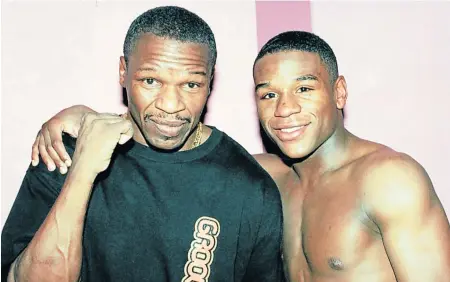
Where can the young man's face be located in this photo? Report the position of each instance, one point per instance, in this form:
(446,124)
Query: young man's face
(296,103)
(167,84)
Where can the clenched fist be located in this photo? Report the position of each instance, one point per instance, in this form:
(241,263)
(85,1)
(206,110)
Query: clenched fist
(98,136)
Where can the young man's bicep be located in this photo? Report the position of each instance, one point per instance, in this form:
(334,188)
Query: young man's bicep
(413,224)
(419,251)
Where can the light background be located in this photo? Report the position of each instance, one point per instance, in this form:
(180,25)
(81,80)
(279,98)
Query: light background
(394,56)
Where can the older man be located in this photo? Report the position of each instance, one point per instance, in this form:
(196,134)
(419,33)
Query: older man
(180,201)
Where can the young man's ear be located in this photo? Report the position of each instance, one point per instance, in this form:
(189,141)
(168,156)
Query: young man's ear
(122,71)
(340,92)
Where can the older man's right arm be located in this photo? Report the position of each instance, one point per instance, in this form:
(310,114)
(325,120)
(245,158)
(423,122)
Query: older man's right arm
(43,234)
(42,238)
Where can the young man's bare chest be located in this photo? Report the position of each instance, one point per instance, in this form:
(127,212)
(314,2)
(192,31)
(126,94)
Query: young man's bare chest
(327,231)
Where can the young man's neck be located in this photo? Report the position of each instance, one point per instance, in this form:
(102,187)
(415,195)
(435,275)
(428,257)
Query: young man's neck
(330,156)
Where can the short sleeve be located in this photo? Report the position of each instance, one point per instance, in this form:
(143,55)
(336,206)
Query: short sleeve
(37,194)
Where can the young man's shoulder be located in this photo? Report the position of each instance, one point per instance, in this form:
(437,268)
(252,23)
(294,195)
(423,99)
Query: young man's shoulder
(272,163)
(393,181)
(385,162)
(280,170)
(369,157)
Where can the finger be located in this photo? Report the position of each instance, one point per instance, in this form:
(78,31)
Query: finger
(63,169)
(51,151)
(89,118)
(73,131)
(114,126)
(106,115)
(44,155)
(125,130)
(92,116)
(105,120)
(35,151)
(57,125)
(124,115)
(55,134)
(124,137)
(98,124)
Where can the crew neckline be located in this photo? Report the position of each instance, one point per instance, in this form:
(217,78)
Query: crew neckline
(198,152)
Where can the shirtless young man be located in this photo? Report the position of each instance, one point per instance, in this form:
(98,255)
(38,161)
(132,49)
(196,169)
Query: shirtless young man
(354,210)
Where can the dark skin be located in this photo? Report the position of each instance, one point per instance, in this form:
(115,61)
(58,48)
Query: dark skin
(167,84)
(354,210)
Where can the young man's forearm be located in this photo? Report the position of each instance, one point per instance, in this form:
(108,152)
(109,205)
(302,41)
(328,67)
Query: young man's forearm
(54,253)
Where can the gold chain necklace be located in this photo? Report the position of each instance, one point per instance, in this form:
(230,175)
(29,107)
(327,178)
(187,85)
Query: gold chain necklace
(198,136)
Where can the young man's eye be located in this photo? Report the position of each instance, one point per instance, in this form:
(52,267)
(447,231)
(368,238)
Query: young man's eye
(149,81)
(269,95)
(304,89)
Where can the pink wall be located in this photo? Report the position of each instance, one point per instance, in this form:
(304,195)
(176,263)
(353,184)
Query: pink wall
(274,17)
(59,54)
(394,56)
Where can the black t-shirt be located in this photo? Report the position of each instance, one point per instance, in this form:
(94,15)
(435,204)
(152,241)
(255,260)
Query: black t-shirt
(211,212)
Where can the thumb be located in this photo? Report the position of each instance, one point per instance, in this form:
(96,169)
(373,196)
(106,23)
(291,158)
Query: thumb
(71,129)
(127,133)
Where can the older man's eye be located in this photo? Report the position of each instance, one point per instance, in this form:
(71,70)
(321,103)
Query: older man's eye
(192,85)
